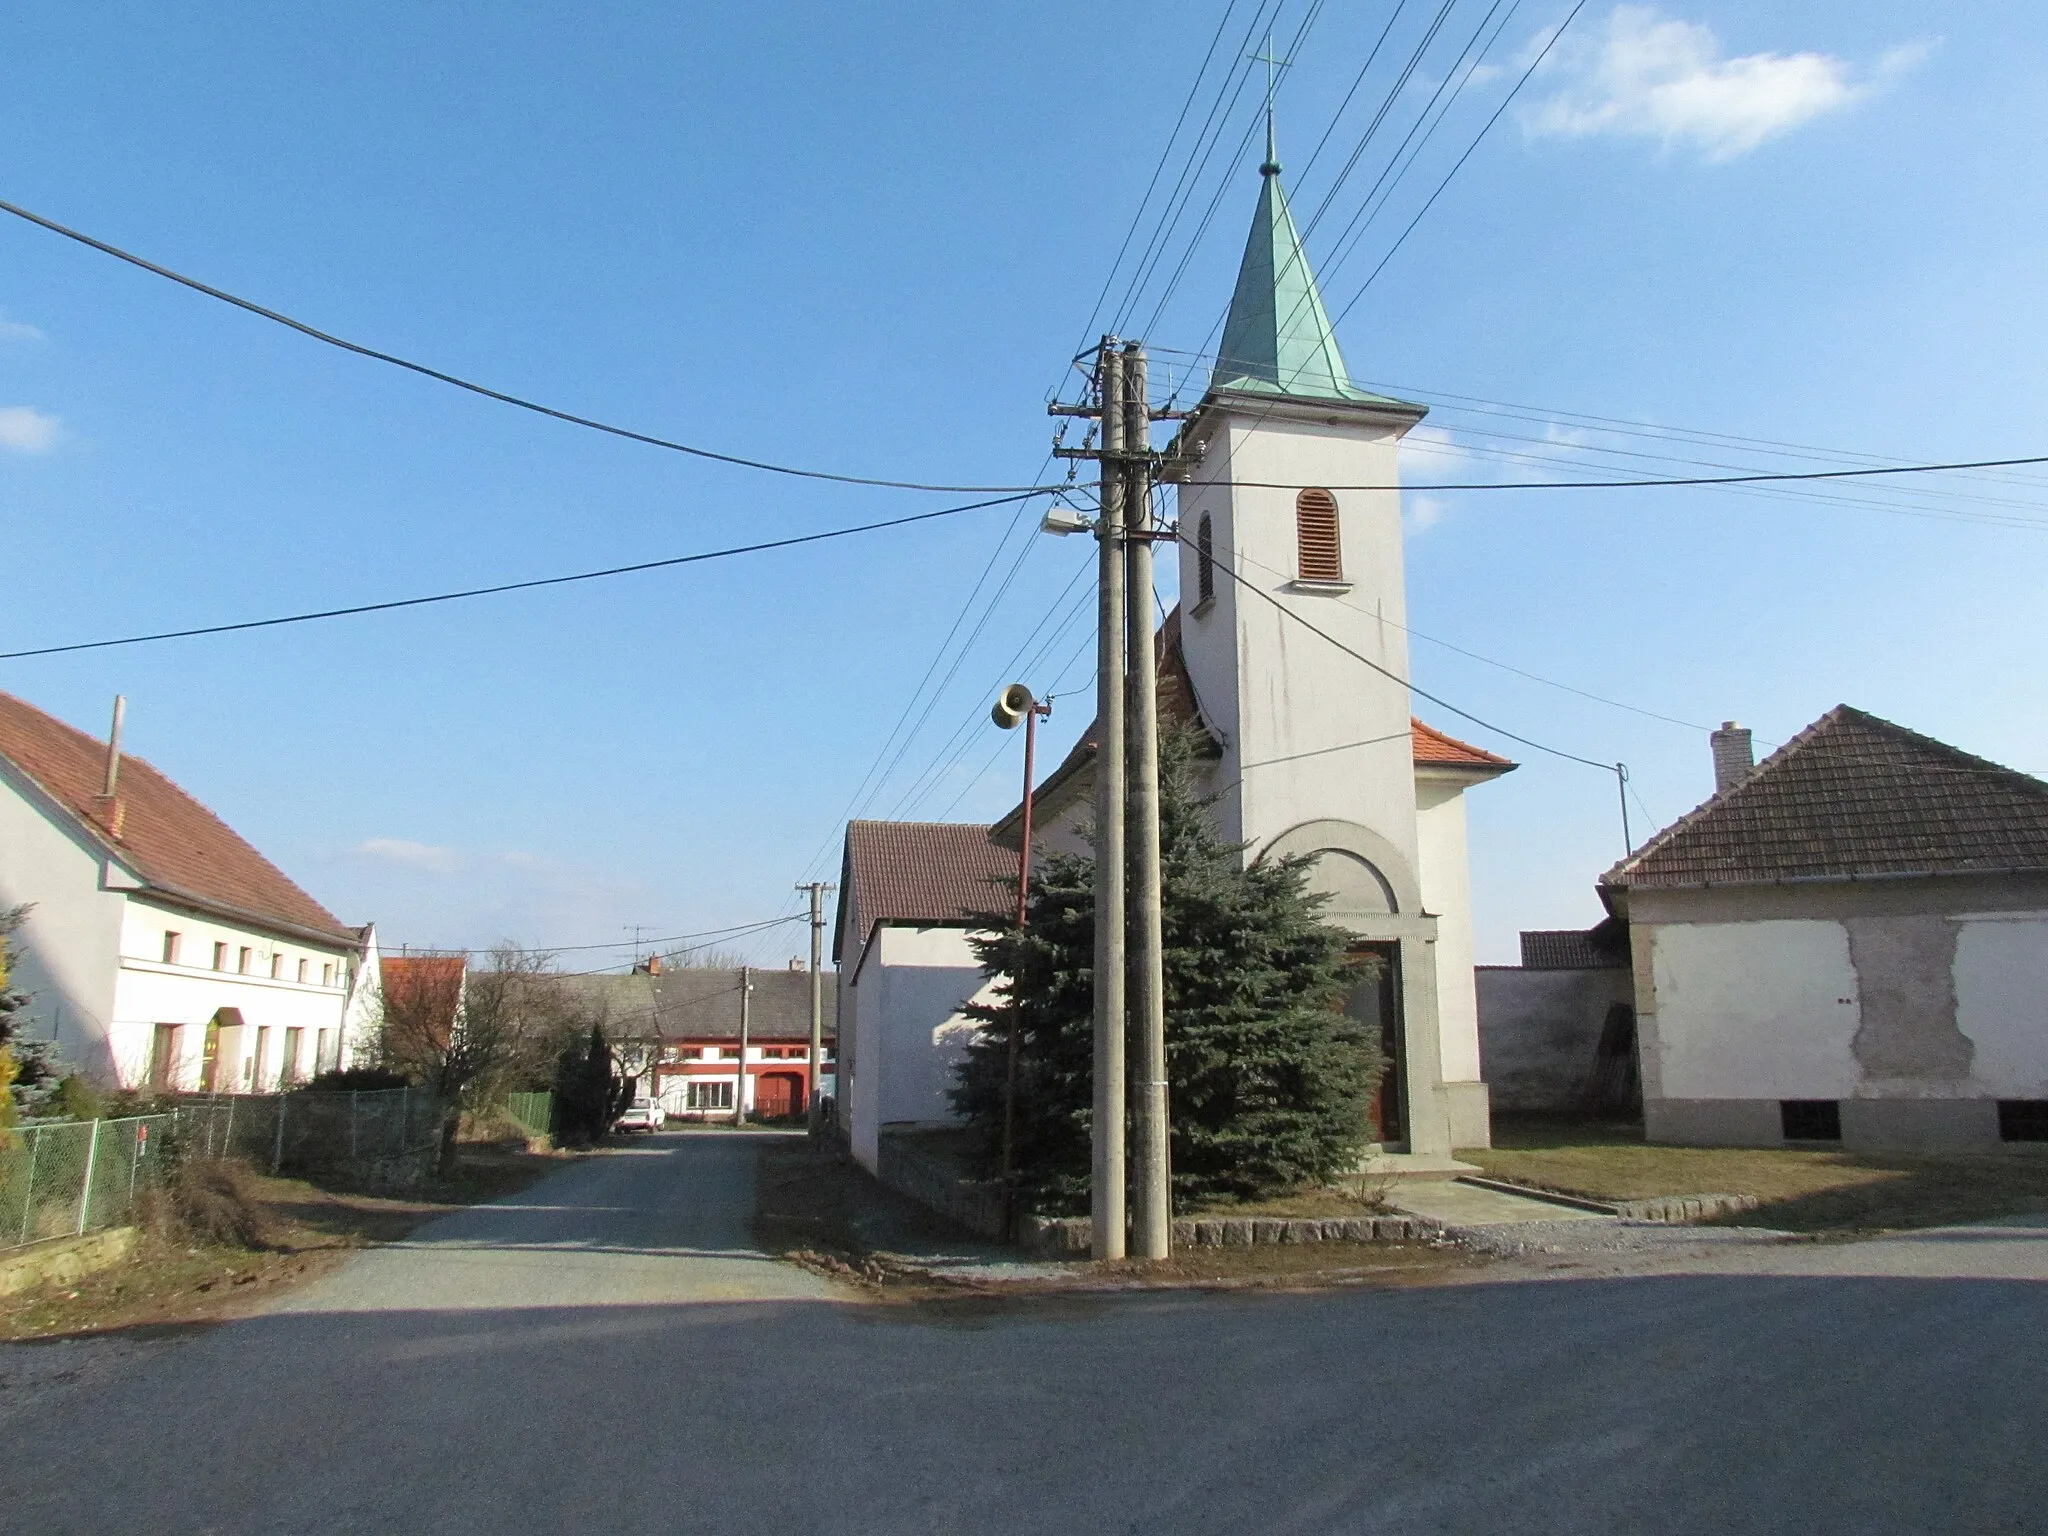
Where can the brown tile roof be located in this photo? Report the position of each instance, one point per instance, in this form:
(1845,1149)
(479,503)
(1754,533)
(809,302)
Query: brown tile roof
(1850,797)
(705,1005)
(1575,949)
(177,846)
(934,872)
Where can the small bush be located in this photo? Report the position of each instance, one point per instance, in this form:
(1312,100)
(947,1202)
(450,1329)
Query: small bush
(76,1099)
(209,1201)
(360,1080)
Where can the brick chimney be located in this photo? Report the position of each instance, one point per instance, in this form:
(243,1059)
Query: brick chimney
(112,812)
(1734,757)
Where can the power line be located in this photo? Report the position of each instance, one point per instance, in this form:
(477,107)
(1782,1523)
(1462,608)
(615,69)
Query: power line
(1460,163)
(1623,485)
(415,951)
(510,586)
(499,395)
(1442,703)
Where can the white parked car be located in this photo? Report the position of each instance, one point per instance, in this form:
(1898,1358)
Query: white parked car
(642,1115)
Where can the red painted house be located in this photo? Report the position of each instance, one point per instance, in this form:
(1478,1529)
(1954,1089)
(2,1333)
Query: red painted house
(682,1029)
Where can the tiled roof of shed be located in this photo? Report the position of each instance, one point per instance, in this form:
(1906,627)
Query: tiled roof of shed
(176,845)
(1566,949)
(1849,797)
(924,871)
(705,1005)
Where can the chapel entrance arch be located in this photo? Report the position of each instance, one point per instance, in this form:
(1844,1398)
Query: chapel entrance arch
(1371,892)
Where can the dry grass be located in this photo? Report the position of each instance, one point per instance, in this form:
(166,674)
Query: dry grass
(1799,1190)
(1356,1197)
(830,1215)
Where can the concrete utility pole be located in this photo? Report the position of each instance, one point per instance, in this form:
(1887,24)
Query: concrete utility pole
(739,1087)
(817,889)
(1151,1190)
(1106,1194)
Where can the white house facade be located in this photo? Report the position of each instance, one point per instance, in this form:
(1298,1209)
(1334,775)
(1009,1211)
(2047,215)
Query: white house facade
(159,947)
(1848,943)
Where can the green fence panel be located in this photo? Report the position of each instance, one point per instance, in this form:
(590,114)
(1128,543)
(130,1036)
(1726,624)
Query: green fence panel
(533,1111)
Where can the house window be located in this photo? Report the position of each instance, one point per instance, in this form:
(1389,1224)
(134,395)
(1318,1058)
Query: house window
(260,1062)
(302,970)
(220,957)
(320,1061)
(326,975)
(1205,560)
(242,960)
(289,1067)
(1319,549)
(2023,1119)
(710,1096)
(1810,1119)
(170,947)
(276,965)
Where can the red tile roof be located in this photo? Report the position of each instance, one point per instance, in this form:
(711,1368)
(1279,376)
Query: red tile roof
(1432,746)
(425,990)
(1852,797)
(177,846)
(933,872)
(1178,704)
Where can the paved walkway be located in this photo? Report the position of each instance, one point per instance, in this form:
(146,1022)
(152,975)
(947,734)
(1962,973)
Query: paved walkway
(654,1221)
(1469,1205)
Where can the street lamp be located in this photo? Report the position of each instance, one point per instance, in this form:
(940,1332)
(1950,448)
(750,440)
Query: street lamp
(1013,705)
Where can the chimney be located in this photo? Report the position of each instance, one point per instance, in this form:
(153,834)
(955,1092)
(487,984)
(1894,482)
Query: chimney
(1734,757)
(110,807)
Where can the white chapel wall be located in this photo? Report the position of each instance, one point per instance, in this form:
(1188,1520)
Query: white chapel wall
(1446,877)
(1278,691)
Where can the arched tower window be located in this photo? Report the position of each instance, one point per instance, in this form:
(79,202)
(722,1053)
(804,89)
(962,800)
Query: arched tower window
(1320,550)
(1205,559)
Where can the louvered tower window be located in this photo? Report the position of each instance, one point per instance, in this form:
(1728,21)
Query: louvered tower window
(1205,559)
(1321,555)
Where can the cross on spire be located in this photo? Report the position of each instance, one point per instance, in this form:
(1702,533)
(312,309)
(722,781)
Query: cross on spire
(1265,56)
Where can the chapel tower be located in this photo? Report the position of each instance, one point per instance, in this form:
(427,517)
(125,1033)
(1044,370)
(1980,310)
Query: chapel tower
(1292,504)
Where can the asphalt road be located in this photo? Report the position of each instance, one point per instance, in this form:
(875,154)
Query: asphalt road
(579,1360)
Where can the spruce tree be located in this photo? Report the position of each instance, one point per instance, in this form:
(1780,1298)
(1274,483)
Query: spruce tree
(1270,1083)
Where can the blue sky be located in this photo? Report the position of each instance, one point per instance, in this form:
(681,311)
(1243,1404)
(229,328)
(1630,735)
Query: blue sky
(831,236)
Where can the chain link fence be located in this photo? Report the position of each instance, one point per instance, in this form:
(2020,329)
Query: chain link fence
(66,1179)
(63,1179)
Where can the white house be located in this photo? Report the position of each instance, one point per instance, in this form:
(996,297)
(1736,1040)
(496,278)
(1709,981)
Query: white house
(1847,943)
(1314,749)
(160,947)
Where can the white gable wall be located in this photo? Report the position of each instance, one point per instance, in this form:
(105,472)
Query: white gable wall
(64,950)
(910,1030)
(1916,1020)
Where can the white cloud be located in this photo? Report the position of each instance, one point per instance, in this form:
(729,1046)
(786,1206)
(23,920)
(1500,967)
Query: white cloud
(23,430)
(411,855)
(18,330)
(1655,77)
(1420,513)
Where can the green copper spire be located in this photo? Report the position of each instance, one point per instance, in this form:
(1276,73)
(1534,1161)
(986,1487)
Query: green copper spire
(1278,339)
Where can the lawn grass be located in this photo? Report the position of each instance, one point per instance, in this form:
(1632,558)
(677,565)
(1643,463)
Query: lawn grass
(1798,1189)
